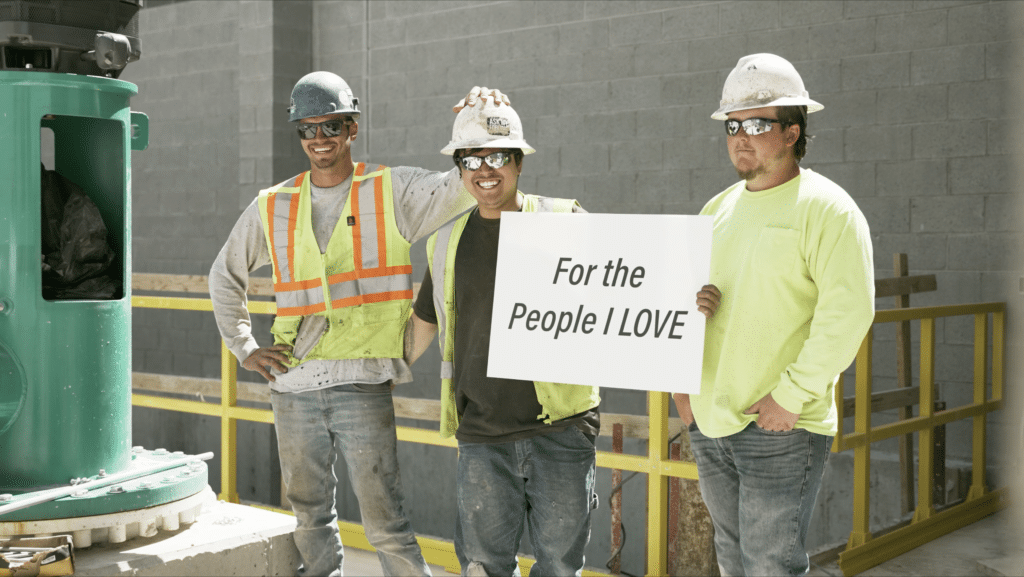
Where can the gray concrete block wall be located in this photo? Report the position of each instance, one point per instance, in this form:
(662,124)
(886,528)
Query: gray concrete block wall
(616,96)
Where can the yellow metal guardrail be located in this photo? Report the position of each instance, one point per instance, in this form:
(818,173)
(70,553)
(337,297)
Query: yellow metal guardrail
(863,551)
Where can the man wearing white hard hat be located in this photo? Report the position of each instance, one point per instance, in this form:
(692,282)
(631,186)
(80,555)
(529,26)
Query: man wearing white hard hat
(526,449)
(337,238)
(793,253)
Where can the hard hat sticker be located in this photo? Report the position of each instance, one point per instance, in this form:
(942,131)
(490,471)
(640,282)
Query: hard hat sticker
(498,126)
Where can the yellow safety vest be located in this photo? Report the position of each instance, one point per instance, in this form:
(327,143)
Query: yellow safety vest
(362,285)
(557,400)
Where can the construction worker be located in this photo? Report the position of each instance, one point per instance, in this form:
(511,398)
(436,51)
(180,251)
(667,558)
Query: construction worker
(338,240)
(526,449)
(792,251)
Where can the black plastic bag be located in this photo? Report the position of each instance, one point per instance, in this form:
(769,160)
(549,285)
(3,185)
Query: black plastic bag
(76,255)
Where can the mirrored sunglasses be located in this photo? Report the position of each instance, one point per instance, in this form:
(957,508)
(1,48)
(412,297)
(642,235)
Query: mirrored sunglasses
(752,126)
(495,160)
(331,128)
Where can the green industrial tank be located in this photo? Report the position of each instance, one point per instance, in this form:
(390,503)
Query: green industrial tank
(65,361)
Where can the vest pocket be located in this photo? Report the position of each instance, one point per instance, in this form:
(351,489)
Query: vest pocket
(778,252)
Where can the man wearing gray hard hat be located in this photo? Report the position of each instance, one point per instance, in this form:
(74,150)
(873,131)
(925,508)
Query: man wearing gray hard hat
(793,253)
(337,238)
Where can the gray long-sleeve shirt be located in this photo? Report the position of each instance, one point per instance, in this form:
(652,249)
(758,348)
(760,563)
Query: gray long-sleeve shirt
(424,201)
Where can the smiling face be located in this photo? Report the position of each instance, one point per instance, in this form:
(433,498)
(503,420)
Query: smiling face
(493,188)
(765,160)
(329,155)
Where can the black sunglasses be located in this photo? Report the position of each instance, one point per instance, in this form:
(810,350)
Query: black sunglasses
(331,128)
(495,160)
(752,126)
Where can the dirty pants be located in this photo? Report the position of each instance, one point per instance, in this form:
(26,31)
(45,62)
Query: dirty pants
(546,482)
(760,487)
(358,422)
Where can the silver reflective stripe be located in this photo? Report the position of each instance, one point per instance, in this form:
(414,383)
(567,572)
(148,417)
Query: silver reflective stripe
(299,297)
(282,212)
(372,285)
(368,223)
(447,370)
(438,273)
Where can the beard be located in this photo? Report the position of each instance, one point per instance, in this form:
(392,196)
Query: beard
(751,173)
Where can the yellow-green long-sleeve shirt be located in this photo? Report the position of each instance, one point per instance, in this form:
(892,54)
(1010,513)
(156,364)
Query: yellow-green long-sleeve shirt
(794,264)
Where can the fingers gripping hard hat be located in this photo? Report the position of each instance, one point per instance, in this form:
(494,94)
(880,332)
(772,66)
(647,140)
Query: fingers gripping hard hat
(319,94)
(485,125)
(761,80)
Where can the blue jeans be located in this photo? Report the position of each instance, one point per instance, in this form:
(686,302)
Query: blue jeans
(358,422)
(760,487)
(546,481)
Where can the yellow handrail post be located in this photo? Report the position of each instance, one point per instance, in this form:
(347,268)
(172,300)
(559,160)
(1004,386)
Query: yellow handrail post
(861,532)
(926,409)
(979,436)
(657,485)
(228,426)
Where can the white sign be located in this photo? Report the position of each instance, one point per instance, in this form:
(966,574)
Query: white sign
(601,299)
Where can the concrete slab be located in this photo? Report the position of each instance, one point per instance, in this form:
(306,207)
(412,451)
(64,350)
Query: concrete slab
(226,540)
(978,549)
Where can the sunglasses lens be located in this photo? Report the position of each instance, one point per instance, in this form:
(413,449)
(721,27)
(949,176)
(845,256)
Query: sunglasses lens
(471,163)
(331,128)
(306,131)
(755,126)
(497,160)
(732,127)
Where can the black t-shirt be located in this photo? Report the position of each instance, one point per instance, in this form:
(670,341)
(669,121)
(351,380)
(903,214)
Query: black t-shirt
(490,410)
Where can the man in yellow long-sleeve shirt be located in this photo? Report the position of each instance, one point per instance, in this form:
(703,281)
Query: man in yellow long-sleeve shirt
(792,253)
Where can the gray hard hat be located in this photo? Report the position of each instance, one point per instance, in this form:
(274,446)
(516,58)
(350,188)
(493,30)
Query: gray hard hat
(319,94)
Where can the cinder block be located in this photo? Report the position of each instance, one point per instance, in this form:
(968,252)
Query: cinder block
(985,22)
(594,9)
(864,8)
(544,162)
(558,130)
(856,178)
(947,214)
(608,64)
(661,58)
(914,104)
(985,175)
(949,139)
(707,182)
(1001,61)
(635,29)
(657,123)
(560,12)
(703,90)
(876,71)
(925,251)
(809,12)
(985,99)
(533,42)
(947,65)
(790,43)
(579,160)
(911,31)
(514,73)
(886,214)
(558,69)
(609,193)
(636,156)
(713,54)
(1002,215)
(747,15)
(511,16)
(968,251)
(848,108)
(842,39)
(610,127)
(341,12)
(689,22)
(663,186)
(877,143)
(578,37)
(562,187)
(821,77)
(383,33)
(634,93)
(912,178)
(686,152)
(825,146)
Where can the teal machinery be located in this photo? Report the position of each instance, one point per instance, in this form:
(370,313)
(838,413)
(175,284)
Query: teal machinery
(65,350)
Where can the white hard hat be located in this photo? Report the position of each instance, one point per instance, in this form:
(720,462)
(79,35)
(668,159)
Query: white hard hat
(761,80)
(485,125)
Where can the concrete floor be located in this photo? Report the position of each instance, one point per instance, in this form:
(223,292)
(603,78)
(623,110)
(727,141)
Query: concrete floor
(230,539)
(982,548)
